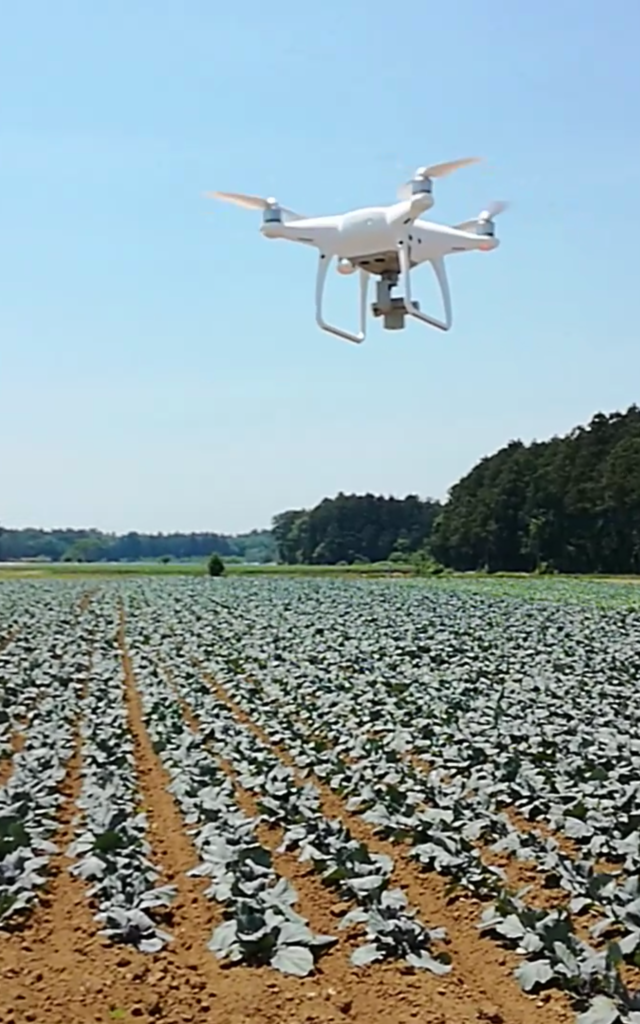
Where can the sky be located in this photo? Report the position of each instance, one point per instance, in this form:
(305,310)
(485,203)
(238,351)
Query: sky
(160,365)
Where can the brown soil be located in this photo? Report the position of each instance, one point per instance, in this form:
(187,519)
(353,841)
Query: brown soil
(323,908)
(315,901)
(482,970)
(542,893)
(86,600)
(6,764)
(7,638)
(57,970)
(518,873)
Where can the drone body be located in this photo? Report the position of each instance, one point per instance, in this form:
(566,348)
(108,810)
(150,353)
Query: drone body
(383,242)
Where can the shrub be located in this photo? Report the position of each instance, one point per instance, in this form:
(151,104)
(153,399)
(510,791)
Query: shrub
(215,566)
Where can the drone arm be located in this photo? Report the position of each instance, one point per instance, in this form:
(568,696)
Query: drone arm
(441,274)
(324,262)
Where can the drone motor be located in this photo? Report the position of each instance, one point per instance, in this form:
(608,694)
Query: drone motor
(272,213)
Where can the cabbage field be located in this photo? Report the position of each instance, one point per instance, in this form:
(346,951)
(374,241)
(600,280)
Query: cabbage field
(319,800)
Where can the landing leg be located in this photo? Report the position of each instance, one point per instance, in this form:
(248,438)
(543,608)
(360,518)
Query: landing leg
(323,266)
(411,306)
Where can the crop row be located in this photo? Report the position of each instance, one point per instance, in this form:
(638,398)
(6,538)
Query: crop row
(37,637)
(432,712)
(110,849)
(362,878)
(43,675)
(287,680)
(260,924)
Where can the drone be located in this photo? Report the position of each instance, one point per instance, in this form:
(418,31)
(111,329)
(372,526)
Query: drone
(383,242)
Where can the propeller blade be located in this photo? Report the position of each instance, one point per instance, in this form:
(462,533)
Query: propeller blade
(436,171)
(441,170)
(248,202)
(253,203)
(493,209)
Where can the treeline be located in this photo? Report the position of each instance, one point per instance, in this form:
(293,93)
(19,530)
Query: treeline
(95,546)
(354,528)
(571,504)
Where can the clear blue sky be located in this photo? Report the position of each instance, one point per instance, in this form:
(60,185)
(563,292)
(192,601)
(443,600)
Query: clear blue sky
(160,364)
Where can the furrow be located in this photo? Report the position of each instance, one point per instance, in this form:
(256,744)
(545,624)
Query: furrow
(315,900)
(478,965)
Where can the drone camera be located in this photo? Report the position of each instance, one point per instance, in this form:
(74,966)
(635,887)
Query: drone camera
(393,309)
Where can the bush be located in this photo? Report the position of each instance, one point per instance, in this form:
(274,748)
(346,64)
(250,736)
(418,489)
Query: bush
(545,569)
(215,566)
(399,557)
(424,564)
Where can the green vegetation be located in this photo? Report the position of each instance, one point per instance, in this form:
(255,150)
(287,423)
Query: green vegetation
(95,546)
(355,529)
(215,566)
(571,505)
(64,570)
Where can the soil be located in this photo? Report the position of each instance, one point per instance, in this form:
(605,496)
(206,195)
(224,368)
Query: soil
(7,638)
(57,969)
(481,968)
(16,741)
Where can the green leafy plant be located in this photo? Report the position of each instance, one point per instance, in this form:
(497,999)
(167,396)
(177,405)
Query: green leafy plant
(261,934)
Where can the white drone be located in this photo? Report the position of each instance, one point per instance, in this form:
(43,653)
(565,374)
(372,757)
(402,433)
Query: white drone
(386,241)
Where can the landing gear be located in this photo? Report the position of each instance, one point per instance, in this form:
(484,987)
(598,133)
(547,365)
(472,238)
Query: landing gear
(390,268)
(413,308)
(324,262)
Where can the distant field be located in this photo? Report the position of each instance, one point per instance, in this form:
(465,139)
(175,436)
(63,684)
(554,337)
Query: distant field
(15,570)
(57,570)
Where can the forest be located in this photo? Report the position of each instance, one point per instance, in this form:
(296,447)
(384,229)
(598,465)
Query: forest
(95,546)
(354,528)
(570,504)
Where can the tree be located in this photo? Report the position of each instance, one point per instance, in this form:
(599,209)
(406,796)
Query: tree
(89,549)
(215,565)
(93,545)
(354,527)
(571,503)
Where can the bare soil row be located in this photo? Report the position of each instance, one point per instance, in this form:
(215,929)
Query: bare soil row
(57,968)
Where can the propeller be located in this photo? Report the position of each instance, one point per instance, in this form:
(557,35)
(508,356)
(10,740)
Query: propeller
(492,210)
(253,202)
(424,174)
(483,223)
(441,170)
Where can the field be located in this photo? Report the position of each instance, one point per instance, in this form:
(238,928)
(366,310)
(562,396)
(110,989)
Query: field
(65,570)
(261,800)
